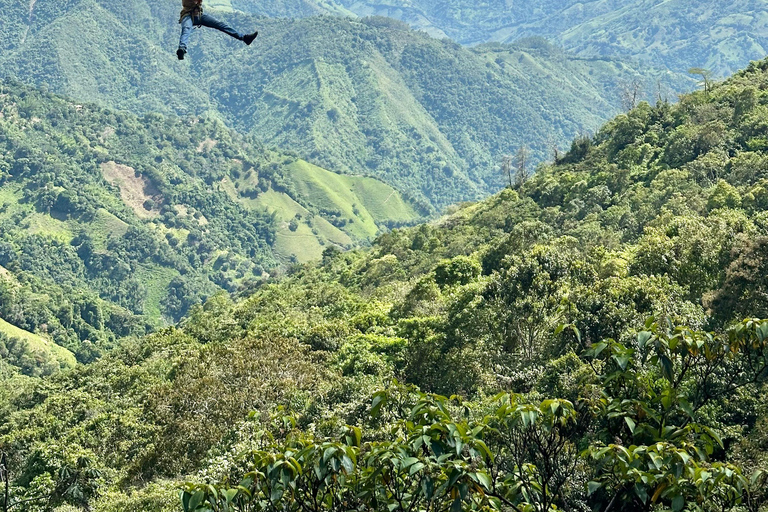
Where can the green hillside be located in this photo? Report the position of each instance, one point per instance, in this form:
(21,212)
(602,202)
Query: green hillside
(721,37)
(32,354)
(40,349)
(595,327)
(113,224)
(372,97)
(326,209)
(680,34)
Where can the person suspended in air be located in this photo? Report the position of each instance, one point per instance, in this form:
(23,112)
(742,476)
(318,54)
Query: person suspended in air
(192,16)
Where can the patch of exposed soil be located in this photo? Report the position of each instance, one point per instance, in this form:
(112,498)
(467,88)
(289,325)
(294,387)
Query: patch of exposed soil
(206,145)
(135,191)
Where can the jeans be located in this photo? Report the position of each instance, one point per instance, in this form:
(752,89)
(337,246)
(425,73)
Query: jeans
(204,21)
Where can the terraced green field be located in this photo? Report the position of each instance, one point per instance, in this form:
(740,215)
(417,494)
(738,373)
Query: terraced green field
(360,207)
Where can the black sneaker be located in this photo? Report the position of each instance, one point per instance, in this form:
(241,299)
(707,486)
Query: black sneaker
(180,53)
(248,39)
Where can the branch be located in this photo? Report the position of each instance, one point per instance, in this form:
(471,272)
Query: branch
(613,501)
(39,498)
(506,501)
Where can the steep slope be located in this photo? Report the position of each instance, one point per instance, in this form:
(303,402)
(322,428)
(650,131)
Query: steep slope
(563,295)
(33,354)
(720,36)
(428,117)
(112,223)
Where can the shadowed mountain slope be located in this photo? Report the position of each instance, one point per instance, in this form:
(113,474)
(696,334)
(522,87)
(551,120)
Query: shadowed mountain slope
(678,34)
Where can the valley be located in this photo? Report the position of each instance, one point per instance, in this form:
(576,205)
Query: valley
(393,256)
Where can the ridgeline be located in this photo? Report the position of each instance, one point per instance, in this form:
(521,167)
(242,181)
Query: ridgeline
(360,96)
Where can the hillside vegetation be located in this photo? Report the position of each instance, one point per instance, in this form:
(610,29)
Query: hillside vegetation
(373,97)
(111,223)
(589,326)
(679,34)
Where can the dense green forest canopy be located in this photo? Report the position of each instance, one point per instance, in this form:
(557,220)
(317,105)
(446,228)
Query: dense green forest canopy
(111,224)
(549,312)
(370,96)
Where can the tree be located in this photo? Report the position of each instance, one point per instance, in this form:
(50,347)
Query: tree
(72,482)
(644,426)
(630,93)
(706,78)
(745,289)
(506,167)
(521,164)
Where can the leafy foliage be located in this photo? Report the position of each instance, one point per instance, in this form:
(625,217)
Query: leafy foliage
(525,455)
(578,324)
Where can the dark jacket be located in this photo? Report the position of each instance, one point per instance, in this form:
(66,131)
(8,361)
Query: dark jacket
(191,7)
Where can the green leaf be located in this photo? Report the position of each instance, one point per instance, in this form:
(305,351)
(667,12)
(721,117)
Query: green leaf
(686,407)
(416,468)
(643,338)
(456,506)
(196,500)
(678,502)
(762,332)
(593,487)
(484,479)
(185,497)
(428,487)
(622,360)
(666,368)
(630,423)
(408,462)
(346,462)
(714,436)
(229,495)
(641,493)
(378,401)
(455,475)
(577,332)
(598,348)
(483,448)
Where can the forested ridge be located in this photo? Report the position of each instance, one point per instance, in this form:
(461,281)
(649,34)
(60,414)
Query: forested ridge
(719,36)
(576,342)
(112,225)
(360,96)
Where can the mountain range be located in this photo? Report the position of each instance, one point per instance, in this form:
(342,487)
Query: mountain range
(365,97)
(677,34)
(294,276)
(113,224)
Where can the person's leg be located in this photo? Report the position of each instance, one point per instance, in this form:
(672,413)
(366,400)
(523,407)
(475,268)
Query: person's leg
(186,30)
(211,22)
